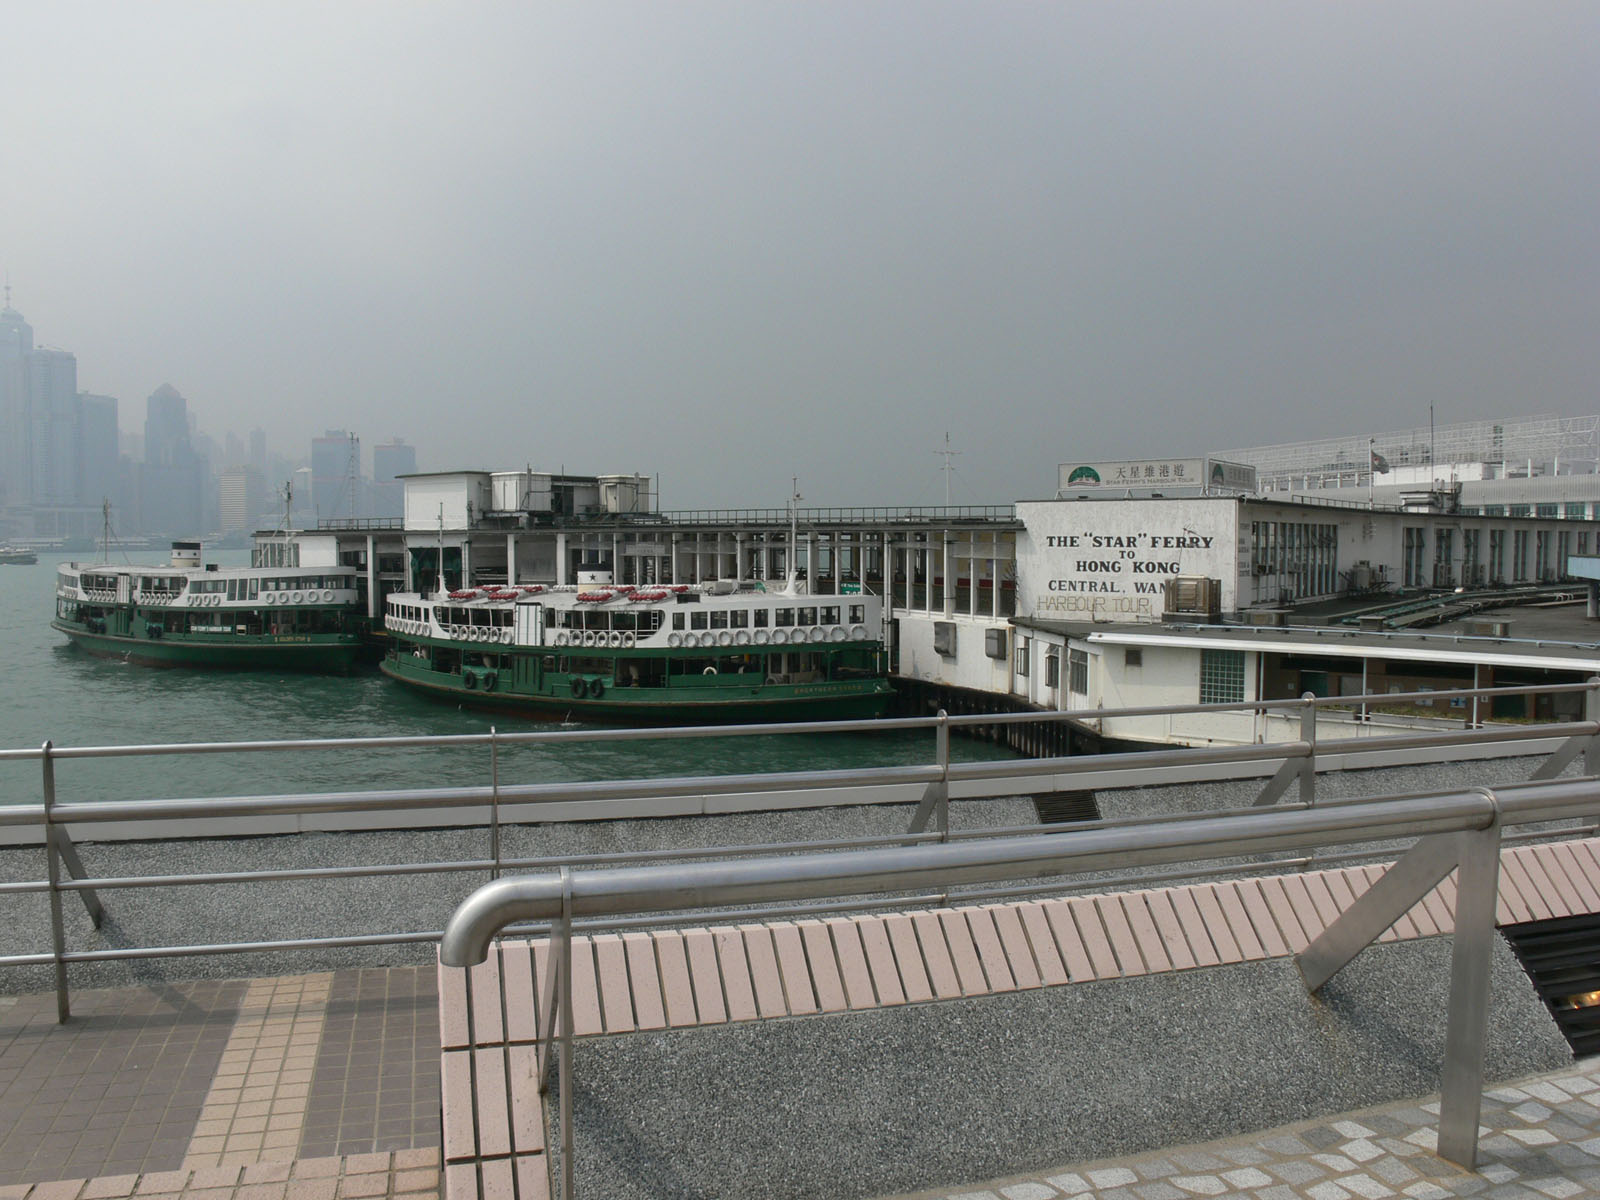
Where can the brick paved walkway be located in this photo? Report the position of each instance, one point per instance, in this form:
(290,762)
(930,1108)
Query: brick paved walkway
(1540,1141)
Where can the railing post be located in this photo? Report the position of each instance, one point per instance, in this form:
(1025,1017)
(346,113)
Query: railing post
(941,742)
(1308,735)
(494,804)
(52,859)
(564,1068)
(1591,712)
(1467,1017)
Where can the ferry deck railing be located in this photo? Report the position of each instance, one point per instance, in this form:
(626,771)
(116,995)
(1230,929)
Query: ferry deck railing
(1455,831)
(1294,763)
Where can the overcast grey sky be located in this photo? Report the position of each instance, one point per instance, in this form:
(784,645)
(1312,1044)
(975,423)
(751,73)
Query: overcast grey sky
(735,242)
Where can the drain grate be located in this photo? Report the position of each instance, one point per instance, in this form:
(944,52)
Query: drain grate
(1562,957)
(1056,808)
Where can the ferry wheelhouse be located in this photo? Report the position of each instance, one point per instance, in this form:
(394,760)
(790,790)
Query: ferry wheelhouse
(187,614)
(650,655)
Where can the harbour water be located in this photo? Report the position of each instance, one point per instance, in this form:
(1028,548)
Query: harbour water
(58,693)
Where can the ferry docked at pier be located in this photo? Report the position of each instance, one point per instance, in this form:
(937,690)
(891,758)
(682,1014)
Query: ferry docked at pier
(713,652)
(188,614)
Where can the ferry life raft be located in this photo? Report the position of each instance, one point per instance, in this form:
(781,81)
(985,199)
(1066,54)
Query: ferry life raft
(184,614)
(644,655)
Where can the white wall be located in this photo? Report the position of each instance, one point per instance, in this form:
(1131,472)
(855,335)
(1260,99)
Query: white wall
(425,495)
(318,551)
(1107,560)
(971,668)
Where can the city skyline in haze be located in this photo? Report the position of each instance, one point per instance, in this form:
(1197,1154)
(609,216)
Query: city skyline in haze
(738,243)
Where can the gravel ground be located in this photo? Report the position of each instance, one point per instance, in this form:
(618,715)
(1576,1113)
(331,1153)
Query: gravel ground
(902,1099)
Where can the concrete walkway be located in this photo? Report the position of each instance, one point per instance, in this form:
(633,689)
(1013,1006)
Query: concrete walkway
(320,1087)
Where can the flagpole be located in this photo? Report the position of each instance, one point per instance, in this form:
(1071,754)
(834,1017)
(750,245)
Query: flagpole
(1372,470)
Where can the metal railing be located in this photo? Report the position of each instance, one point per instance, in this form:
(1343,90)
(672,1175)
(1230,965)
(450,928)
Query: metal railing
(1457,831)
(1293,764)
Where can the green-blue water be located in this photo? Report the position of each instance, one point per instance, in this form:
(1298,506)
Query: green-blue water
(57,692)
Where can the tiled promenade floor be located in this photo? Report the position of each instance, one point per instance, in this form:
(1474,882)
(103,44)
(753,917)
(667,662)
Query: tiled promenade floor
(325,1087)
(1539,1140)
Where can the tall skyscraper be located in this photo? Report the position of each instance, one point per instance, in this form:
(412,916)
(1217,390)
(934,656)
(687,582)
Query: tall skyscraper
(336,475)
(390,460)
(170,480)
(16,475)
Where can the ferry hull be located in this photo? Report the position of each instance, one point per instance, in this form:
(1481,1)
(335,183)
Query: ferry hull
(755,703)
(231,653)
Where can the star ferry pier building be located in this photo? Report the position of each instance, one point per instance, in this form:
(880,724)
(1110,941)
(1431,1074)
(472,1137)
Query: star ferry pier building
(1138,584)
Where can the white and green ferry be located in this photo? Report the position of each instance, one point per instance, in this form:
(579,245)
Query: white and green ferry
(649,655)
(188,614)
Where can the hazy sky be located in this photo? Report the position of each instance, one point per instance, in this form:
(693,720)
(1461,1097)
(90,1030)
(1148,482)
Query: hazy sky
(740,241)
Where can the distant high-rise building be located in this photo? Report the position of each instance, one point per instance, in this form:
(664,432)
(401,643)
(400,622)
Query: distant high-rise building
(336,475)
(52,383)
(258,452)
(390,460)
(98,456)
(16,474)
(241,494)
(170,482)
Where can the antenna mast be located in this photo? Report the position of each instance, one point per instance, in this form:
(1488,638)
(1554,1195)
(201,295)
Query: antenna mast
(948,466)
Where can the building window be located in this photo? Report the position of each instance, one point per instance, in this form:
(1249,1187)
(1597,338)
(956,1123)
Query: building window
(1078,672)
(1133,656)
(1546,510)
(1519,555)
(1022,659)
(1575,511)
(1221,676)
(1052,670)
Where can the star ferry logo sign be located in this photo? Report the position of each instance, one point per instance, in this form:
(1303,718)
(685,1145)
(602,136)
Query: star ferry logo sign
(1083,477)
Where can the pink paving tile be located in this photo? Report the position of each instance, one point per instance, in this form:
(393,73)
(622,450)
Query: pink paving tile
(1576,875)
(790,948)
(516,976)
(644,980)
(1541,865)
(453,1031)
(852,958)
(455,1098)
(1225,947)
(1092,929)
(1135,906)
(1262,924)
(1036,925)
(1283,911)
(527,1127)
(764,975)
(1237,921)
(489,1086)
(1511,909)
(1294,886)
(963,954)
(1528,884)
(824,965)
(483,989)
(908,957)
(585,990)
(942,976)
(1339,888)
(1587,856)
(496,1177)
(533,1177)
(461,1181)
(1440,910)
(676,988)
(1194,926)
(616,999)
(1316,883)
(736,987)
(707,976)
(1014,941)
(1170,929)
(1123,940)
(991,954)
(1404,926)
(880,961)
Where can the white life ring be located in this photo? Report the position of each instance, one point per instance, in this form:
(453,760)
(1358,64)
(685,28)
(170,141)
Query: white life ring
(505,637)
(709,671)
(742,637)
(708,639)
(724,638)
(762,637)
(780,637)
(588,637)
(836,634)
(298,598)
(628,639)
(858,633)
(327,594)
(561,638)
(819,634)
(674,639)
(271,597)
(614,638)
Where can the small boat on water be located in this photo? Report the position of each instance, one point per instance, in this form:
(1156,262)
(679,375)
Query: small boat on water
(713,652)
(17,556)
(188,614)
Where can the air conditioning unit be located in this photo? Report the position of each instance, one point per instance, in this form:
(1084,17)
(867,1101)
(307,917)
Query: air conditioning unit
(994,643)
(1268,616)
(1193,598)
